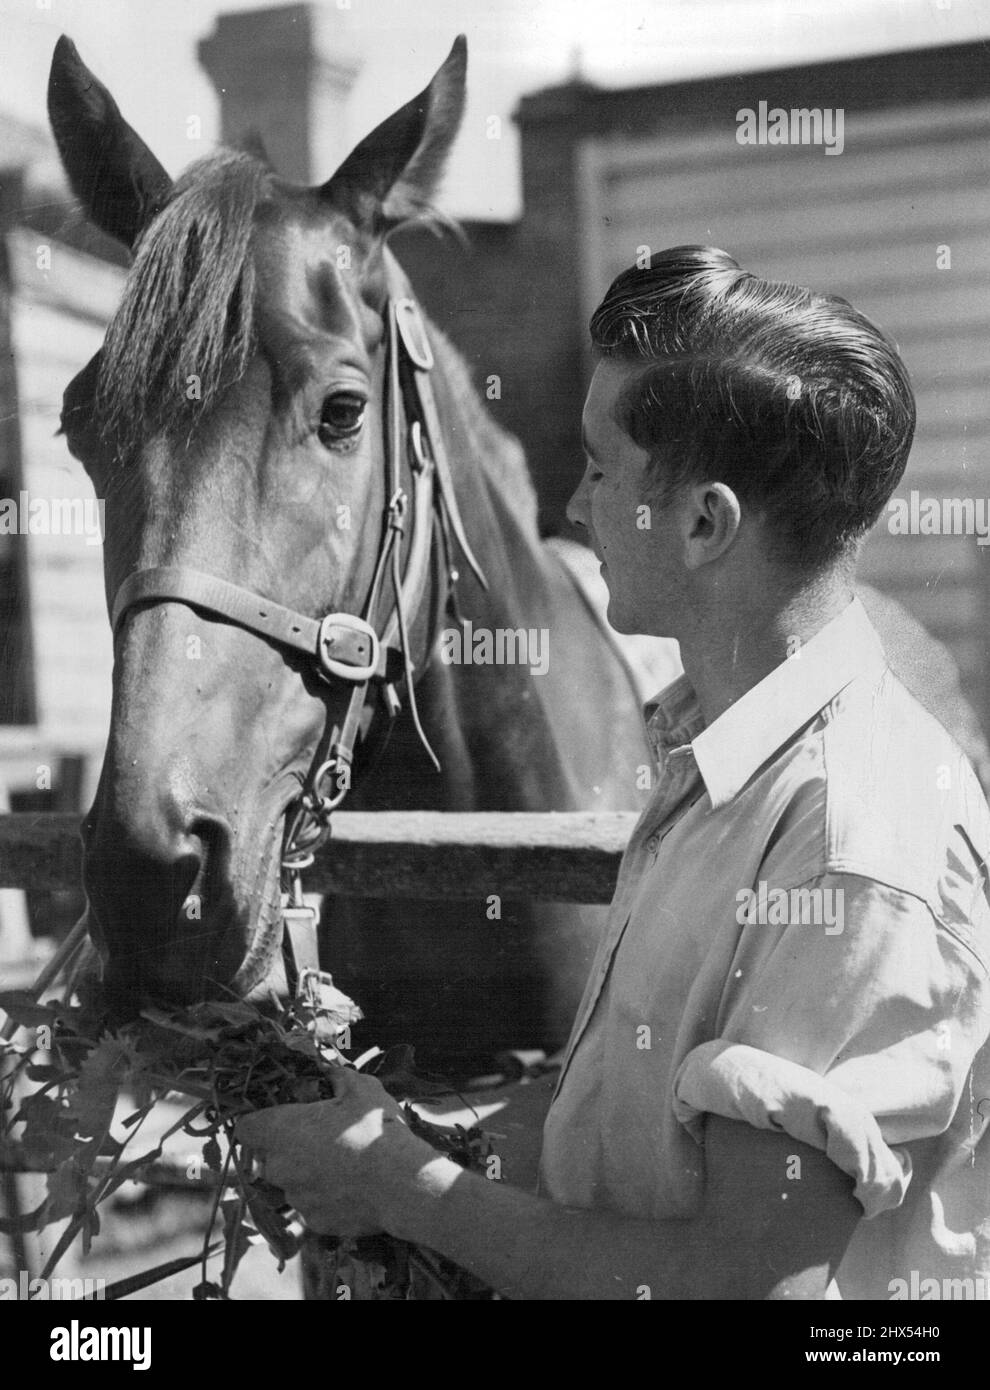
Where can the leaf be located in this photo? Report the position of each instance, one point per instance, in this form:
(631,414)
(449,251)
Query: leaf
(21,1006)
(175,1025)
(67,1189)
(272,1225)
(100,1079)
(212,1154)
(186,1118)
(27,1221)
(90,1228)
(236,1236)
(233,1014)
(395,1069)
(140,1114)
(48,1131)
(39,1071)
(123,1288)
(131,1171)
(207,1290)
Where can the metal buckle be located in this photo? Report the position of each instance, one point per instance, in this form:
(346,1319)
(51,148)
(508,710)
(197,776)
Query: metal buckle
(299,925)
(410,325)
(344,670)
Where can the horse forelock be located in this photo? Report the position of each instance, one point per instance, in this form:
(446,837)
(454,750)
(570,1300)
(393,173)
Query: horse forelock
(184,330)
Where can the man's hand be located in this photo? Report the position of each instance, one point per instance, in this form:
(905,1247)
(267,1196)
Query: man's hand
(335,1160)
(351,1167)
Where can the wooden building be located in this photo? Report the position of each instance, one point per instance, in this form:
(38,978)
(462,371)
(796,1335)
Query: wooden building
(55,648)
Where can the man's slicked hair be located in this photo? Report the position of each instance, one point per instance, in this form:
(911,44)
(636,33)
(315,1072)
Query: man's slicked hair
(793,399)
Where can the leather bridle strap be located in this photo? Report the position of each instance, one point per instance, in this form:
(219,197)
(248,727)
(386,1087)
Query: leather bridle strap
(419,354)
(329,641)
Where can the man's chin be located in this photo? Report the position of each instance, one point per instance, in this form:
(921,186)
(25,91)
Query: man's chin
(618,619)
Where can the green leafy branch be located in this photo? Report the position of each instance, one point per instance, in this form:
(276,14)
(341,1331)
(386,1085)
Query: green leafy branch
(227,1058)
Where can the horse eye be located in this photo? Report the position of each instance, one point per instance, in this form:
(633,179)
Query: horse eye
(341,418)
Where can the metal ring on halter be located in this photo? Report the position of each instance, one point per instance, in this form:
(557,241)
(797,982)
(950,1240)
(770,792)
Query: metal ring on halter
(330,803)
(297,860)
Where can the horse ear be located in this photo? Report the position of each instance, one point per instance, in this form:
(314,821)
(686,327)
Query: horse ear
(116,177)
(392,174)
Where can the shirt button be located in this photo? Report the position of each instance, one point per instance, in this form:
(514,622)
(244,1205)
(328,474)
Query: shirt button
(653,845)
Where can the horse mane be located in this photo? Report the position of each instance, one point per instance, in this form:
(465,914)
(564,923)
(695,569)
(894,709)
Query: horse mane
(184,329)
(499,452)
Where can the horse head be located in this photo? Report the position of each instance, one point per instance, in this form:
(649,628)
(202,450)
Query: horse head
(234,422)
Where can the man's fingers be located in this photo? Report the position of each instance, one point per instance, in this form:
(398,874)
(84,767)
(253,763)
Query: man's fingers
(251,1131)
(263,1129)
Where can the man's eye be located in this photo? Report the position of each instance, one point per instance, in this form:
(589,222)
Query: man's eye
(341,418)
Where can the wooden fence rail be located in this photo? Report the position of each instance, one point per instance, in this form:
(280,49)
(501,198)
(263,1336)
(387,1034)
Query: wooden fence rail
(570,856)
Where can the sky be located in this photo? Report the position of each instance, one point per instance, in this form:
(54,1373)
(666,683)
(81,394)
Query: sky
(145,51)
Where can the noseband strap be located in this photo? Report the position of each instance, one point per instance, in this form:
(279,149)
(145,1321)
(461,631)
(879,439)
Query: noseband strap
(341,644)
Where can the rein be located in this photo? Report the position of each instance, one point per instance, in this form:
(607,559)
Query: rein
(366,651)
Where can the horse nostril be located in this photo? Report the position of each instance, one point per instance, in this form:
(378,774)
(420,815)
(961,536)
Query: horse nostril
(205,847)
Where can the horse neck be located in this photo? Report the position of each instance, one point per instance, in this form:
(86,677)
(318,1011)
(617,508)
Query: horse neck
(486,739)
(495,494)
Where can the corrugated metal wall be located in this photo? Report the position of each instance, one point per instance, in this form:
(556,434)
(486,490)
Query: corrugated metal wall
(867,224)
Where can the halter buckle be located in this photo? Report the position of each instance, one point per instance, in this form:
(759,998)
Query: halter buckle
(354,671)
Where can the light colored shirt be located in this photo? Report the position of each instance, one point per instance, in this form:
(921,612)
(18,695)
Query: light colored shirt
(799,940)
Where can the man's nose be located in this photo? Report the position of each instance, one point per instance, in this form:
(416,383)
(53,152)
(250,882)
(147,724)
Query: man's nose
(577,510)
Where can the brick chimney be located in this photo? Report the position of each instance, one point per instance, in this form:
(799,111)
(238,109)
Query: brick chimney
(286,73)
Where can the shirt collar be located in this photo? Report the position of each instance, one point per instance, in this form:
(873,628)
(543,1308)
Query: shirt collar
(761,721)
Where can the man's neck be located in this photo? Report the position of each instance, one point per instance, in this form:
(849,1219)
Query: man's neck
(742,644)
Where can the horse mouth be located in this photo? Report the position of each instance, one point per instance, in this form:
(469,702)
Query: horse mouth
(266,929)
(222,944)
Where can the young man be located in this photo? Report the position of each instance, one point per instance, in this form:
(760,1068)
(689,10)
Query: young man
(780,1070)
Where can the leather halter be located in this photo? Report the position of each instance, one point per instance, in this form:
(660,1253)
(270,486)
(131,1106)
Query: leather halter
(347,647)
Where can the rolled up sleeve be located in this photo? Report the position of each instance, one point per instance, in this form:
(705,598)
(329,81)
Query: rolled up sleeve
(854,1041)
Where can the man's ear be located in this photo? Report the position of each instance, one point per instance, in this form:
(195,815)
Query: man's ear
(712,515)
(111,170)
(392,174)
